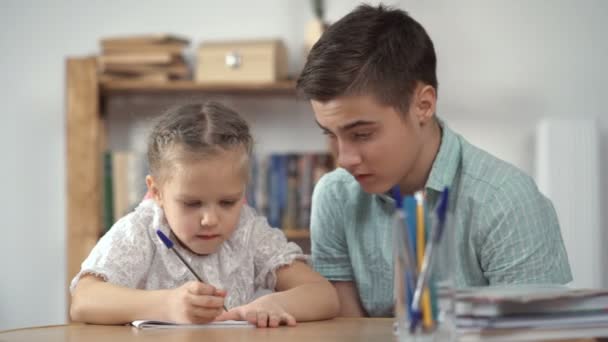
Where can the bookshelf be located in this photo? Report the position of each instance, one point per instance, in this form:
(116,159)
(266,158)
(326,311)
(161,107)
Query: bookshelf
(280,88)
(86,134)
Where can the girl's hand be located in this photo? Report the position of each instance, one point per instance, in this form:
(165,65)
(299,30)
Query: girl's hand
(195,302)
(263,312)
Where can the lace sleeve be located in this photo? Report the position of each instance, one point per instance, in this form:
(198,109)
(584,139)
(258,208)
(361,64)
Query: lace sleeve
(122,256)
(271,251)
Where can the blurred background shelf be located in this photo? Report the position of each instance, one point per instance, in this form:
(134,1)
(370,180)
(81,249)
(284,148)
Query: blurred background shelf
(297,234)
(125,86)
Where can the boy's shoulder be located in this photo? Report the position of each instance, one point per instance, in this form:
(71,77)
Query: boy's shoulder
(489,177)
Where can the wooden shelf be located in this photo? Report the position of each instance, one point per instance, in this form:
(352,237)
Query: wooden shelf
(278,88)
(297,234)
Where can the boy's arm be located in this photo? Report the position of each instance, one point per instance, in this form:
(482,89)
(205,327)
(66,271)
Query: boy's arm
(99,302)
(350,303)
(522,243)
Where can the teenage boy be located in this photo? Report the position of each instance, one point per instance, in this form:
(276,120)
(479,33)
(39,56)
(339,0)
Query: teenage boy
(372,84)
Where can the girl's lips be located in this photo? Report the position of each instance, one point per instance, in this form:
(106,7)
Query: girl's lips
(207,237)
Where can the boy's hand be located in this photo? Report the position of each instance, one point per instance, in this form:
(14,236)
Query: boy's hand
(263,312)
(195,302)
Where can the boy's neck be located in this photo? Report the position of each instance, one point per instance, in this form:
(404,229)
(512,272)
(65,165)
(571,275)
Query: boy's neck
(416,179)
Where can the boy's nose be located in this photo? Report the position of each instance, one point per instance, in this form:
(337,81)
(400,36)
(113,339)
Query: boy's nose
(348,157)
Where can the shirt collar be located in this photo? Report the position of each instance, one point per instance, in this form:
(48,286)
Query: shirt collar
(444,167)
(446,162)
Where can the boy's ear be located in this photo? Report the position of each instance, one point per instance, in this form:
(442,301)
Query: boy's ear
(154,190)
(424,103)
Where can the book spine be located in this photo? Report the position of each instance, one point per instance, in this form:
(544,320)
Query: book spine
(274,208)
(291,192)
(108,195)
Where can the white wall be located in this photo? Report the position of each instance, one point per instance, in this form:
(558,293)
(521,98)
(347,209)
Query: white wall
(502,65)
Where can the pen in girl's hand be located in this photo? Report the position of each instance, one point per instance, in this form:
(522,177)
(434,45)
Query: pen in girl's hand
(167,242)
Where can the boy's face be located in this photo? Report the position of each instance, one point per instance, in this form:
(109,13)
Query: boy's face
(375,143)
(202,199)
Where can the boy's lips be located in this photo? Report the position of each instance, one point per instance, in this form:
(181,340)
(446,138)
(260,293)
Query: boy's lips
(362,177)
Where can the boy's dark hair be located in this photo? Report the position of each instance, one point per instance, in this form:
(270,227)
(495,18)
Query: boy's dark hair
(200,130)
(372,50)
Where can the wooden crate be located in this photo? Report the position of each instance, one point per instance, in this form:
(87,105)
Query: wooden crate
(256,61)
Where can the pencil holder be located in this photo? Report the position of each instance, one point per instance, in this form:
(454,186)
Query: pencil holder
(432,320)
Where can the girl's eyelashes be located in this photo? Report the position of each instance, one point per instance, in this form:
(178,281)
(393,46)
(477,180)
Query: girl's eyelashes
(228,203)
(192,204)
(197,204)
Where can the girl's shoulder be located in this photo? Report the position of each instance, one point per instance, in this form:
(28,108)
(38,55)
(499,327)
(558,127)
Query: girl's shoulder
(249,221)
(253,228)
(138,223)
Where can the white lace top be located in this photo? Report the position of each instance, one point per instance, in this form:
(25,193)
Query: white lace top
(130,254)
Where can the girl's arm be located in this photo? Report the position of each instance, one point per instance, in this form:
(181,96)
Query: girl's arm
(99,302)
(350,303)
(303,295)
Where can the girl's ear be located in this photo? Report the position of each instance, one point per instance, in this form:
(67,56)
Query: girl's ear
(154,190)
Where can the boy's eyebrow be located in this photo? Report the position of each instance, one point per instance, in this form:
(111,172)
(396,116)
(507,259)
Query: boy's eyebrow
(321,126)
(349,126)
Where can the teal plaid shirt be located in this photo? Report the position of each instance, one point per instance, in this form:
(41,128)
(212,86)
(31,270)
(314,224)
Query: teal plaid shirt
(505,230)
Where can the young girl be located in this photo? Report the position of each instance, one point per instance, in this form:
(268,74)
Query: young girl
(199,161)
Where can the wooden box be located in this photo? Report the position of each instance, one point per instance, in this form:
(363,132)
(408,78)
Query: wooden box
(255,61)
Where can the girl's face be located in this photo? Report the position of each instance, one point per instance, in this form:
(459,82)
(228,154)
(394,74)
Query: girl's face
(202,199)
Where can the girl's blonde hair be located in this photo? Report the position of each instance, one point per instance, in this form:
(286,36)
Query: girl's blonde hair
(200,130)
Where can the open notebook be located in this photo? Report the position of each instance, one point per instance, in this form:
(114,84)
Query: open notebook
(169,325)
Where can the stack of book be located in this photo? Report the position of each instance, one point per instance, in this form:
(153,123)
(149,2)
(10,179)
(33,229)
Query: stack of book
(145,57)
(530,314)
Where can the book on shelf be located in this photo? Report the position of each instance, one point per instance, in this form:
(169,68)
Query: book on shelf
(158,77)
(177,69)
(154,39)
(108,194)
(122,60)
(281,187)
(304,189)
(155,57)
(124,185)
(174,49)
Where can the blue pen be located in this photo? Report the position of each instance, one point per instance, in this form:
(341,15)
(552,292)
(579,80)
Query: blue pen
(167,242)
(396,195)
(427,261)
(407,257)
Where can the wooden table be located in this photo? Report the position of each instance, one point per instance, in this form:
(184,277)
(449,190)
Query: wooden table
(339,329)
